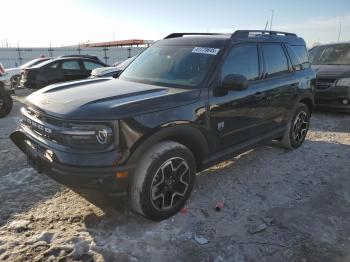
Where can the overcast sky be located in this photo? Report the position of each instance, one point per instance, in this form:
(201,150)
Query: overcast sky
(68,22)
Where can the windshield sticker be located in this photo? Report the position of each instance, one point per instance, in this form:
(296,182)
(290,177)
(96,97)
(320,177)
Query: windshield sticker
(206,50)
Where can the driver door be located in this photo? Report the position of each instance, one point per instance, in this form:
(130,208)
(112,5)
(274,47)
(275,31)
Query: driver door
(237,116)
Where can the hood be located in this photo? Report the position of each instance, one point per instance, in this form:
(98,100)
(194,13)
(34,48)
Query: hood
(13,71)
(103,70)
(332,71)
(107,99)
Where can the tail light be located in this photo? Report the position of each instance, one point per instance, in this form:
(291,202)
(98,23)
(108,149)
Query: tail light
(2,69)
(25,72)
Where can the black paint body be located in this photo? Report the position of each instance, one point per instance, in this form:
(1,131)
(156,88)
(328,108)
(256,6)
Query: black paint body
(214,124)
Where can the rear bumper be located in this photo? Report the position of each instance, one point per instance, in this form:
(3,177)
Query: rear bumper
(333,98)
(47,160)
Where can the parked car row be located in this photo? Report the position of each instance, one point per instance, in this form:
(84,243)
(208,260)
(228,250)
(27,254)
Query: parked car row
(61,69)
(44,71)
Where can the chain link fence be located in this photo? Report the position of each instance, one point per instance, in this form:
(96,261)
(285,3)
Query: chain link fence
(14,57)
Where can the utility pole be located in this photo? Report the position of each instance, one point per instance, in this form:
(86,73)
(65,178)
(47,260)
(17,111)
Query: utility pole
(272,11)
(339,31)
(113,35)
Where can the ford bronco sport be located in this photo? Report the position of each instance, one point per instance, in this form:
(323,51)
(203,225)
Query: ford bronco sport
(186,103)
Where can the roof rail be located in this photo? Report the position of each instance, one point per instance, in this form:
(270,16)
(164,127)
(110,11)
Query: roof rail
(173,35)
(245,33)
(82,56)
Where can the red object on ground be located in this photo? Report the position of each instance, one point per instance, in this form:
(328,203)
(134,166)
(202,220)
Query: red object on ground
(184,210)
(219,206)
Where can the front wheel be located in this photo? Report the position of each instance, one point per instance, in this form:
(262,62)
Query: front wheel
(297,128)
(162,181)
(6,103)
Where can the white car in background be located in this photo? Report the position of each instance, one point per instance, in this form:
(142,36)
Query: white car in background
(14,74)
(112,71)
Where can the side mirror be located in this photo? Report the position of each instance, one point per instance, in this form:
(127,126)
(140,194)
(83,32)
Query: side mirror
(117,74)
(235,83)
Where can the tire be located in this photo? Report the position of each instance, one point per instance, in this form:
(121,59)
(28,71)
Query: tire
(6,103)
(162,181)
(297,127)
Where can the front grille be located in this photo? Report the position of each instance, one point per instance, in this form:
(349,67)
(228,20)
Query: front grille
(41,125)
(324,83)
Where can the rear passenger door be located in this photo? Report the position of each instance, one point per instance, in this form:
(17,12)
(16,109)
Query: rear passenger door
(72,70)
(280,86)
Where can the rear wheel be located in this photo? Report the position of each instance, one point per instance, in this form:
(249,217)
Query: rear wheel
(162,181)
(298,127)
(6,103)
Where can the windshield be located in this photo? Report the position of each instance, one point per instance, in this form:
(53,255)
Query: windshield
(171,65)
(330,55)
(33,62)
(125,63)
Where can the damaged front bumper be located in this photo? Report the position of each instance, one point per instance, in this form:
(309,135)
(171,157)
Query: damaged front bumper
(73,170)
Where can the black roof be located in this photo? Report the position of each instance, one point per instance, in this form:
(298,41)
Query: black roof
(217,39)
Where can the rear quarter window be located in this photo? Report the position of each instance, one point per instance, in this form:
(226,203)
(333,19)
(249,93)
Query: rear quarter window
(298,55)
(275,59)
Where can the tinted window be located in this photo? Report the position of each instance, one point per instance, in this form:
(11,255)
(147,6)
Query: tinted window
(91,65)
(301,52)
(242,60)
(276,60)
(296,62)
(53,65)
(71,65)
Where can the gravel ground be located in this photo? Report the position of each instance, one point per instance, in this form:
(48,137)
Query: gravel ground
(278,205)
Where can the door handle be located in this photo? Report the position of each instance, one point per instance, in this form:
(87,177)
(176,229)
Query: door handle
(259,95)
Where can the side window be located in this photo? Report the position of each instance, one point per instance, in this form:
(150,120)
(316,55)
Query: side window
(53,65)
(275,58)
(91,65)
(298,56)
(71,65)
(242,60)
(301,52)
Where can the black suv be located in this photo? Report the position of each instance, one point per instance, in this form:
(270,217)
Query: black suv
(184,104)
(332,65)
(61,69)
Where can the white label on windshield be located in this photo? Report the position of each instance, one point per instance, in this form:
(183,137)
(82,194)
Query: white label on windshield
(206,50)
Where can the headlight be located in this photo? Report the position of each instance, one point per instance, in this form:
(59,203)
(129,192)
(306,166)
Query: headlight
(343,82)
(88,136)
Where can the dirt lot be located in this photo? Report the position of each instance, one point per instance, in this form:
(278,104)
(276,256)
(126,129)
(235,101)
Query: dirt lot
(278,206)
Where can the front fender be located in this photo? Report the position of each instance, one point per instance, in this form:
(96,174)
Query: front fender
(184,133)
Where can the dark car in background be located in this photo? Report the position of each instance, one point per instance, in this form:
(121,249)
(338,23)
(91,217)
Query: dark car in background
(332,65)
(15,73)
(61,69)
